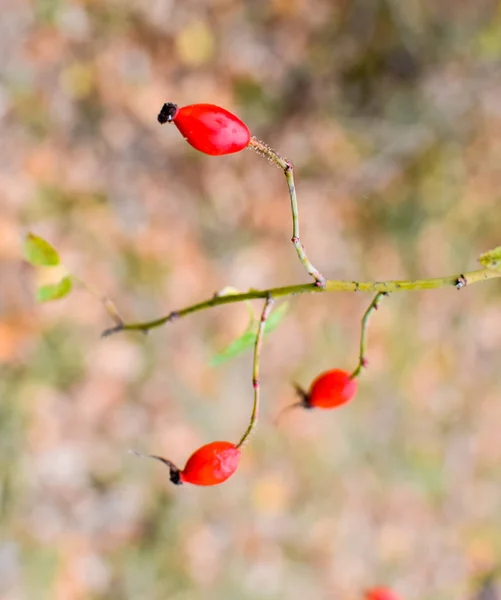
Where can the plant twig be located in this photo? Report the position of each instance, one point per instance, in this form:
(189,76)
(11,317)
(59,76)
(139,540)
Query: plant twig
(362,361)
(391,286)
(288,170)
(108,304)
(268,305)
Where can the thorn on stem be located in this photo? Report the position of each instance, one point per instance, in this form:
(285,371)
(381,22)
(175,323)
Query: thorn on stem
(461,282)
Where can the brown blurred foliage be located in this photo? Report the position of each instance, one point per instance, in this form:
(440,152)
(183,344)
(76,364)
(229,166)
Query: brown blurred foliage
(390,110)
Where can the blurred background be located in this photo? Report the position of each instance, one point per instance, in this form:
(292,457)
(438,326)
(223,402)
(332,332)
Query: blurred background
(391,113)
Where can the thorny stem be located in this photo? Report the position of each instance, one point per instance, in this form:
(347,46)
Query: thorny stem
(362,363)
(288,170)
(391,286)
(268,305)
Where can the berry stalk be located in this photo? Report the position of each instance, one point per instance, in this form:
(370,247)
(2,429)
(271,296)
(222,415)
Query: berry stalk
(268,305)
(362,362)
(288,170)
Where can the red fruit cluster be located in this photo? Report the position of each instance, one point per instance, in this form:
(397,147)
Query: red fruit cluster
(216,462)
(208,128)
(215,131)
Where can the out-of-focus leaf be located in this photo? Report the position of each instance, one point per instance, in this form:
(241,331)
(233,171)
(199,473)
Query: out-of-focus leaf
(39,252)
(276,317)
(234,349)
(491,259)
(247,339)
(55,291)
(195,44)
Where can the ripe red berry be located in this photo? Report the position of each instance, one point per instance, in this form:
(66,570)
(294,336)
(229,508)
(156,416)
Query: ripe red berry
(208,128)
(329,390)
(209,465)
(380,593)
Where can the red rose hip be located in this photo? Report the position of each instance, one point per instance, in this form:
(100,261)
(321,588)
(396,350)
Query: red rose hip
(329,390)
(209,465)
(208,128)
(380,593)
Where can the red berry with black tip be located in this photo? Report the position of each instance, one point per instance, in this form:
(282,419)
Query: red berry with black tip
(209,465)
(212,464)
(381,593)
(330,390)
(208,128)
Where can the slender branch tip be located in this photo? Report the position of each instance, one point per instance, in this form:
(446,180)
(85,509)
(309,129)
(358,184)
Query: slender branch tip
(113,330)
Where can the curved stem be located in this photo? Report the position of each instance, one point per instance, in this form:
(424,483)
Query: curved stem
(362,361)
(268,305)
(391,286)
(288,170)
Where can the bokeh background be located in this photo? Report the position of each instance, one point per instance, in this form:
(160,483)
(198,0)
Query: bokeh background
(391,112)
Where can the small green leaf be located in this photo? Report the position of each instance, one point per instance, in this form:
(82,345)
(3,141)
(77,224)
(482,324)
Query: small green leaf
(38,252)
(491,259)
(55,291)
(247,339)
(276,317)
(234,349)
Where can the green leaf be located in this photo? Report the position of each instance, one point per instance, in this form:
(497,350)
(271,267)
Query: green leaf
(38,252)
(247,339)
(491,259)
(55,291)
(276,317)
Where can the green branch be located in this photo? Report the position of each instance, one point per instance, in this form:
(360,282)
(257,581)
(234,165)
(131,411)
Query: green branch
(391,286)
(362,359)
(288,170)
(268,305)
